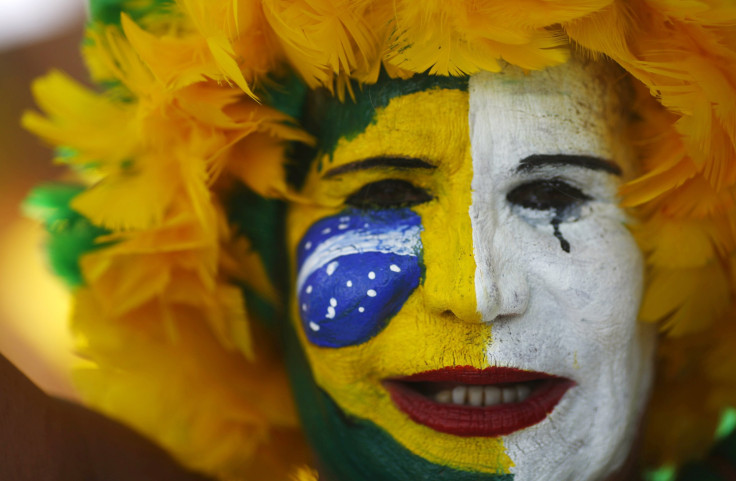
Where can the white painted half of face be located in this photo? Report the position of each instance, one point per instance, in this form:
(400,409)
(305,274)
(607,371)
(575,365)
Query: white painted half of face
(571,314)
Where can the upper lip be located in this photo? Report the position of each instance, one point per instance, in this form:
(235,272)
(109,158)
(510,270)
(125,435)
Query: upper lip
(415,396)
(473,375)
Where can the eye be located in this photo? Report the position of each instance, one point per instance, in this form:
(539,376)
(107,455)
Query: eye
(548,195)
(388,193)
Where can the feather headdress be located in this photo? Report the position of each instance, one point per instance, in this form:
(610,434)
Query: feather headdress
(166,288)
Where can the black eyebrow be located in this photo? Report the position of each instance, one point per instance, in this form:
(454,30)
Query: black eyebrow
(373,162)
(589,162)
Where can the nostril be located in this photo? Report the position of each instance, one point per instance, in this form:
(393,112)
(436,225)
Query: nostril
(455,315)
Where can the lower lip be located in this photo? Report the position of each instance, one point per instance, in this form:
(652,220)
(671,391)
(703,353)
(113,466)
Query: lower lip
(485,421)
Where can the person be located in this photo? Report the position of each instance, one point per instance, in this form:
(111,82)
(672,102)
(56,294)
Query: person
(458,290)
(466,289)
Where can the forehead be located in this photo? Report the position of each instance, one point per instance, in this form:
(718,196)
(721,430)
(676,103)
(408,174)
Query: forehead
(574,109)
(331,120)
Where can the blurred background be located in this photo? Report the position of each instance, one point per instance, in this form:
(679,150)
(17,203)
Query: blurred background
(35,36)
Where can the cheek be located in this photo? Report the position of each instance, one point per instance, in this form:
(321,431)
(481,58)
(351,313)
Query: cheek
(607,274)
(355,271)
(595,293)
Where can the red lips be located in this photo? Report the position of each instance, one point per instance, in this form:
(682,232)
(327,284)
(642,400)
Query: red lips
(410,394)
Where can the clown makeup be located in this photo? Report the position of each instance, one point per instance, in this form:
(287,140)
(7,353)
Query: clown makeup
(465,289)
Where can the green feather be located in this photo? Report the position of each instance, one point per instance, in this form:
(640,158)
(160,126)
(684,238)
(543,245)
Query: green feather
(108,11)
(261,221)
(71,235)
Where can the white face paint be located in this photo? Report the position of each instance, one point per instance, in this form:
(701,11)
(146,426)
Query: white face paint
(570,314)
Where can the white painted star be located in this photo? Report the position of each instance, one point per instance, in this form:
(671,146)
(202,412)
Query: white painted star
(331,267)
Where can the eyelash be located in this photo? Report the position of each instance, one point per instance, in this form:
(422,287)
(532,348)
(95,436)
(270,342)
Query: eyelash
(551,195)
(545,195)
(388,193)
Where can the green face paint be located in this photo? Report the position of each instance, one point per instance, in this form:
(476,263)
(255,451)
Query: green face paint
(330,120)
(353,449)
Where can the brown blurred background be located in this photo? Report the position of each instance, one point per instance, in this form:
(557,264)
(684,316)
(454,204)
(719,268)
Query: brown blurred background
(35,36)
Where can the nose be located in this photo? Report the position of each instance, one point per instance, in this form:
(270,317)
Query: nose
(450,289)
(474,270)
(502,288)
(482,283)
(449,281)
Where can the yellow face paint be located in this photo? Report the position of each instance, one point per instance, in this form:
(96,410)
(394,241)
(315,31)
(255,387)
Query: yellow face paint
(439,325)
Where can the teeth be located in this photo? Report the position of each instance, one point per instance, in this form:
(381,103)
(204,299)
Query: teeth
(493,395)
(483,395)
(443,397)
(508,394)
(459,394)
(522,392)
(475,395)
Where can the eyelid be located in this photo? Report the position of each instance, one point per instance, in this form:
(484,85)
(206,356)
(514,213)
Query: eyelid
(600,185)
(392,193)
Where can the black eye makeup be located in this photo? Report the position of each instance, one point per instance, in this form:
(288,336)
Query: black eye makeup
(558,199)
(388,193)
(553,195)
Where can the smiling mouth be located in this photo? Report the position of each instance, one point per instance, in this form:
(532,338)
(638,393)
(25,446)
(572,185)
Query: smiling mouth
(466,401)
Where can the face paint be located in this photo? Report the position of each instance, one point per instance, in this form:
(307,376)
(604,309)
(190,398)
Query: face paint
(528,295)
(356,271)
(559,275)
(404,145)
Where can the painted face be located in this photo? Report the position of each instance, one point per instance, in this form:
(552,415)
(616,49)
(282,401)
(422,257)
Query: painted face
(466,290)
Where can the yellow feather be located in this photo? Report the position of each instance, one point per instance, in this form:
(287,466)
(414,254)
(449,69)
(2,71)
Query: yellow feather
(686,300)
(680,425)
(326,38)
(305,474)
(697,199)
(224,54)
(711,12)
(451,39)
(134,198)
(687,66)
(677,244)
(216,21)
(242,417)
(241,262)
(258,162)
(73,112)
(175,61)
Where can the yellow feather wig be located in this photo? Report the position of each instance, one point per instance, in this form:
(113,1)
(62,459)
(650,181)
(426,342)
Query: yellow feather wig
(160,310)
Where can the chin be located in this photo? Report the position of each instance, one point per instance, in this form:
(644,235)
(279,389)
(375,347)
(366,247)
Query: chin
(592,431)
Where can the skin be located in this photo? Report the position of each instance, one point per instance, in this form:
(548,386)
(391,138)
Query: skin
(547,288)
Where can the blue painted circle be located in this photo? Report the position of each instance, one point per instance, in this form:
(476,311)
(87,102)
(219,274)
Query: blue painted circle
(357,269)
